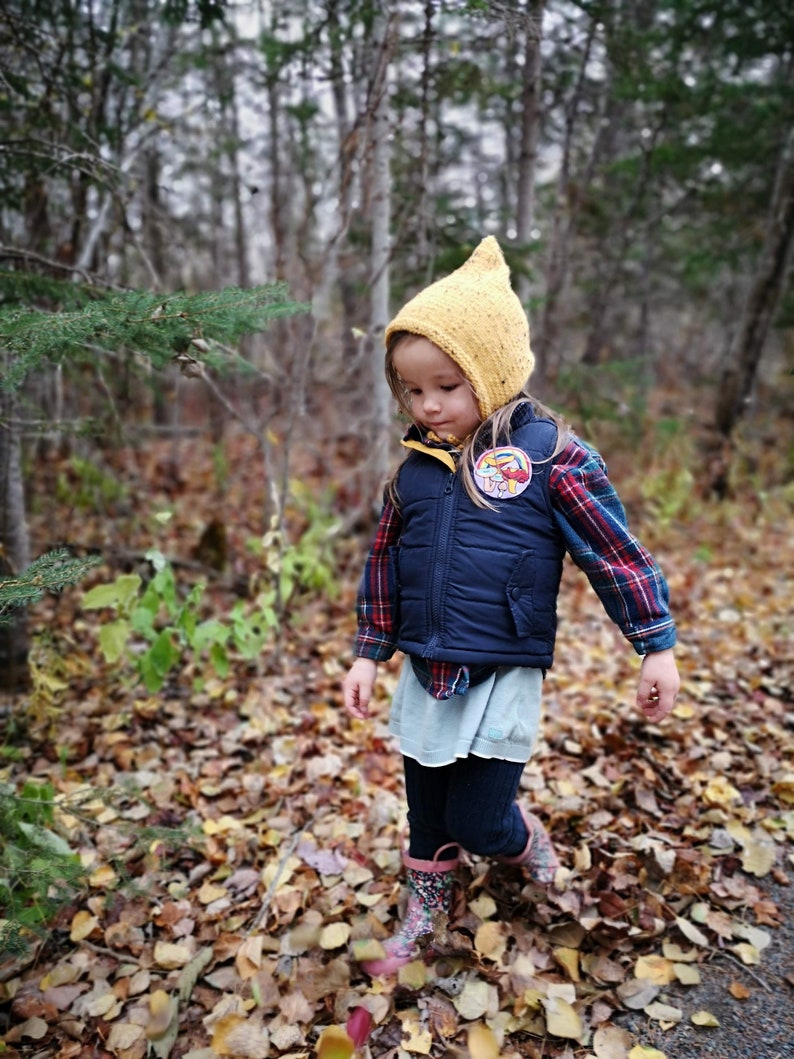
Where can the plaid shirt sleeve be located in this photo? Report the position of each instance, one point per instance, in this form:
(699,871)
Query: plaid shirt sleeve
(623,574)
(376,606)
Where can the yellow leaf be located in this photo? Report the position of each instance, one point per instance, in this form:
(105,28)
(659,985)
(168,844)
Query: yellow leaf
(747,953)
(234,1036)
(655,968)
(162,1008)
(210,892)
(335,1043)
(367,949)
(103,877)
(720,792)
(420,1040)
(83,923)
(490,941)
(413,975)
(171,956)
(334,936)
(687,973)
(482,1042)
(683,711)
(221,826)
(483,906)
(674,952)
(642,1051)
(784,788)
(705,1018)
(568,959)
(562,1020)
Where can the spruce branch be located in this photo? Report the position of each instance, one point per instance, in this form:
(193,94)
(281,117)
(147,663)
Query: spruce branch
(49,573)
(155,326)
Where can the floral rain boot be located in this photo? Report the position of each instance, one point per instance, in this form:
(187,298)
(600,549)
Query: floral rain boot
(429,890)
(538,856)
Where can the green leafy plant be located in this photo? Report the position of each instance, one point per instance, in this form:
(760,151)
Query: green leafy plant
(155,627)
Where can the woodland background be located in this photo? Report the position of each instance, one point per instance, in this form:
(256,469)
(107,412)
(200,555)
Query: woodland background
(208,212)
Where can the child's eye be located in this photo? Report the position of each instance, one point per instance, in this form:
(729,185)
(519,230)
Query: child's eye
(450,388)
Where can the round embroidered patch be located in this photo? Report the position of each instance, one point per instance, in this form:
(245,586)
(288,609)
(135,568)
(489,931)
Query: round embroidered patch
(503,473)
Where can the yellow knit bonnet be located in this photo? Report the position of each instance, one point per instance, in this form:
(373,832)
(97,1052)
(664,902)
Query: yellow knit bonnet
(474,316)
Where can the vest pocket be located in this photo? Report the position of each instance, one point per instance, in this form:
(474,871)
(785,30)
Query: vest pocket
(527,611)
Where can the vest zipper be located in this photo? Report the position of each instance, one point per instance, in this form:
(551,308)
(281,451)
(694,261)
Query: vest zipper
(439,576)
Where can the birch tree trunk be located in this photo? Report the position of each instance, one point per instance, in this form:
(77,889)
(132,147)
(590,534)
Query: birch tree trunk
(14,545)
(762,298)
(380,132)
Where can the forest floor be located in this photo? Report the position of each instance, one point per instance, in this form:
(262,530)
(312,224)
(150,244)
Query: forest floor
(240,836)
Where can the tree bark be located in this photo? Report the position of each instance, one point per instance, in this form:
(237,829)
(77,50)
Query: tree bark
(530,125)
(744,354)
(14,546)
(381,236)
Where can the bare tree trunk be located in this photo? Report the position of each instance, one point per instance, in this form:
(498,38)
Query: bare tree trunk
(381,235)
(14,545)
(530,124)
(762,298)
(565,218)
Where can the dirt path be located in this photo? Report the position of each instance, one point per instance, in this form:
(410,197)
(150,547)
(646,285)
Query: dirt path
(758,1027)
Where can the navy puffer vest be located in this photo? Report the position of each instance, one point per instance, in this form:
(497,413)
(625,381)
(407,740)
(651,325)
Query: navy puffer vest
(477,585)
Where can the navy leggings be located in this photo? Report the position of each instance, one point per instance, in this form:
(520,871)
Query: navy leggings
(470,803)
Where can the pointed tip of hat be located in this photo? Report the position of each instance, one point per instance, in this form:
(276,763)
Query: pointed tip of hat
(489,252)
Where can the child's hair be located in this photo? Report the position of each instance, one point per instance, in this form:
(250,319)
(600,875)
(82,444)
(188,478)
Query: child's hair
(492,432)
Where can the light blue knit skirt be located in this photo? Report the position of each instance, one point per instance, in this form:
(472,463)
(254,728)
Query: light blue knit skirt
(496,719)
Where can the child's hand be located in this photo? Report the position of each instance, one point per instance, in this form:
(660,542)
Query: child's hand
(659,684)
(357,687)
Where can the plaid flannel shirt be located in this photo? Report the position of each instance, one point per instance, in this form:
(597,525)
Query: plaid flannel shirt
(592,521)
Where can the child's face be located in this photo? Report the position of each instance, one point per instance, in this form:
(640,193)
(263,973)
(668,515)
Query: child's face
(441,398)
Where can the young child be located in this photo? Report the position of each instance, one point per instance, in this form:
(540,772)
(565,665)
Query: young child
(463,578)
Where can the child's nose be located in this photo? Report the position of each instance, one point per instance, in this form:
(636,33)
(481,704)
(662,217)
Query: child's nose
(431,401)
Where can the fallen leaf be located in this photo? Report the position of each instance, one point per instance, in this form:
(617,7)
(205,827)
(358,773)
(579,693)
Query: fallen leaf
(704,1018)
(83,925)
(170,956)
(663,1012)
(655,968)
(334,936)
(123,1036)
(637,992)
(235,1036)
(359,1026)
(562,1019)
(482,1042)
(739,991)
(418,1039)
(162,1008)
(490,941)
(611,1042)
(335,1043)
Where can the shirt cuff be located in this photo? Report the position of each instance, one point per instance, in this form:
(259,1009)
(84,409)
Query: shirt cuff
(373,646)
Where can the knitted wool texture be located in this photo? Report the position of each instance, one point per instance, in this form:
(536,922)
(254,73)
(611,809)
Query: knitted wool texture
(474,316)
